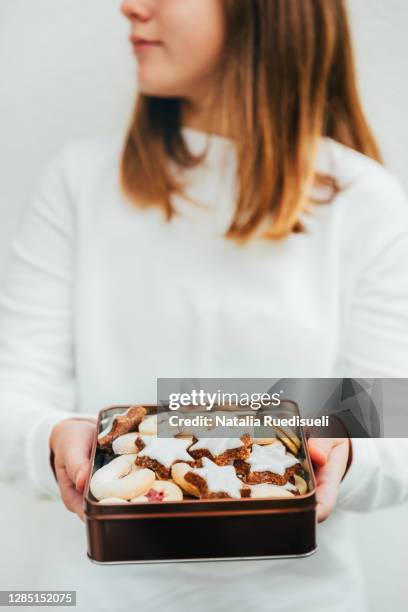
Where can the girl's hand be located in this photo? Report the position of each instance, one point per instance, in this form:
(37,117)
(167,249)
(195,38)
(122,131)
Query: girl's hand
(71,442)
(330,458)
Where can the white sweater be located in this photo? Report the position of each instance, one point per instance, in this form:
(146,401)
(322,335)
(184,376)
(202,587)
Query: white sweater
(102,298)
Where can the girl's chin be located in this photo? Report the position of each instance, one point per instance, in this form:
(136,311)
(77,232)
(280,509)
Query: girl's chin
(158,92)
(155,87)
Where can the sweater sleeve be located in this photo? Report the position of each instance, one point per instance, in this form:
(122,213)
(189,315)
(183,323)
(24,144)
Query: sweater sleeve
(376,344)
(37,374)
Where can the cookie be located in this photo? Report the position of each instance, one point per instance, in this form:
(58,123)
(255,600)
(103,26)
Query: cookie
(215,481)
(268,464)
(289,439)
(159,454)
(121,424)
(160,491)
(300,484)
(149,425)
(126,444)
(178,472)
(221,450)
(266,490)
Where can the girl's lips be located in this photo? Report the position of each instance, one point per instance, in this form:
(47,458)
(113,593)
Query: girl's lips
(140,44)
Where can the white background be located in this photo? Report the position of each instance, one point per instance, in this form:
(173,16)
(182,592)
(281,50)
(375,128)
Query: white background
(65,70)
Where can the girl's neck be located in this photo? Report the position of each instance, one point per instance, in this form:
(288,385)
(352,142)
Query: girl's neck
(199,116)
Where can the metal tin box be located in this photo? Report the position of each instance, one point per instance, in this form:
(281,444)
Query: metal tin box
(199,530)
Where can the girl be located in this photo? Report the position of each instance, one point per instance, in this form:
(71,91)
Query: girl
(244,227)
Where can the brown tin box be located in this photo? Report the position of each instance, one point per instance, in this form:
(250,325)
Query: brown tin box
(199,530)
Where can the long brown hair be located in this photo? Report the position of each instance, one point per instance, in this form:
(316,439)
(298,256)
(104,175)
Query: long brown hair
(288,79)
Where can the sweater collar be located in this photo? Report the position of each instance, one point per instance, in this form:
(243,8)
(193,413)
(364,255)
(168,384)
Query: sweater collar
(213,182)
(219,146)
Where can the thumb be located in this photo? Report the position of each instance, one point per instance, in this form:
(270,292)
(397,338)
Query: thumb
(77,462)
(81,477)
(77,467)
(319,449)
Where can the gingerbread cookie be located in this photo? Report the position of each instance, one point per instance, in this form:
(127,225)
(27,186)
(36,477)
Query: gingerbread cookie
(215,481)
(121,424)
(159,454)
(221,450)
(268,464)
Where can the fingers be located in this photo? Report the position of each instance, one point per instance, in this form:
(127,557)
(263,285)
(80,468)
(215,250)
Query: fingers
(72,444)
(73,500)
(328,478)
(81,477)
(320,449)
(77,466)
(74,455)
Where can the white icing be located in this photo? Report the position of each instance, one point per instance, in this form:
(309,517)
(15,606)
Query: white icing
(216,446)
(289,487)
(270,458)
(220,479)
(167,450)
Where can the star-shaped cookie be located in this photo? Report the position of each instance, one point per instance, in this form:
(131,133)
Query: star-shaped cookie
(221,450)
(270,458)
(214,480)
(159,454)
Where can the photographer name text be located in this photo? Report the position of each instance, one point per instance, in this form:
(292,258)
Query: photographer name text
(248,420)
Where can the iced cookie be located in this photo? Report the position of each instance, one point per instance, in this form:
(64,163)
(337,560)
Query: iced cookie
(268,464)
(159,454)
(215,481)
(221,450)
